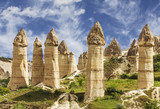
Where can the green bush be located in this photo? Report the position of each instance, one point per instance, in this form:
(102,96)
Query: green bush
(133,76)
(58,92)
(113,93)
(124,76)
(119,106)
(73,84)
(4,90)
(110,66)
(156,62)
(152,104)
(156,67)
(5,59)
(4,82)
(19,106)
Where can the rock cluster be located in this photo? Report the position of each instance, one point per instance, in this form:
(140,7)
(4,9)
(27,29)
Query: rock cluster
(137,99)
(67,62)
(19,76)
(112,50)
(37,66)
(51,68)
(82,62)
(145,69)
(94,86)
(156,44)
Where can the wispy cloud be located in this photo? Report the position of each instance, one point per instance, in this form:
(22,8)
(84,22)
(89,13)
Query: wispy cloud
(64,14)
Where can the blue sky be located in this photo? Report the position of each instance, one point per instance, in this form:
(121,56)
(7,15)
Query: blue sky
(73,19)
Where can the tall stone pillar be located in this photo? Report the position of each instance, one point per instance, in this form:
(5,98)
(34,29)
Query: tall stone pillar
(63,59)
(80,62)
(51,69)
(132,57)
(37,66)
(85,59)
(95,74)
(72,64)
(19,76)
(145,70)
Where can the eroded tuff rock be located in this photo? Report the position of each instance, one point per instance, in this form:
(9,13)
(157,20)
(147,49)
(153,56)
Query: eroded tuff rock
(137,99)
(3,74)
(37,66)
(156,44)
(145,69)
(82,62)
(19,76)
(51,69)
(94,86)
(112,50)
(96,36)
(66,101)
(63,49)
(132,57)
(63,59)
(72,64)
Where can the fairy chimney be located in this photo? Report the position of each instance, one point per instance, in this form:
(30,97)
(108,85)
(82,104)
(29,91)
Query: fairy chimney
(51,69)
(112,50)
(80,62)
(63,59)
(37,66)
(145,70)
(132,57)
(95,76)
(72,64)
(19,77)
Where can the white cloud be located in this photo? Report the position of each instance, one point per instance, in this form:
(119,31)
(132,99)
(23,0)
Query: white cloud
(64,13)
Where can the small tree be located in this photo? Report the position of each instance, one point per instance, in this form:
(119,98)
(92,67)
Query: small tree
(109,67)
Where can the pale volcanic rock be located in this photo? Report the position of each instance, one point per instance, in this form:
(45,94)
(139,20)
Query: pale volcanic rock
(145,69)
(132,57)
(19,76)
(112,50)
(72,64)
(3,74)
(85,59)
(94,86)
(37,66)
(80,62)
(51,69)
(63,59)
(157,44)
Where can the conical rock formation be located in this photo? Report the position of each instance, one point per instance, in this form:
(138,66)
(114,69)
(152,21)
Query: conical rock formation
(51,69)
(19,76)
(132,57)
(112,50)
(72,64)
(37,66)
(145,70)
(94,86)
(63,59)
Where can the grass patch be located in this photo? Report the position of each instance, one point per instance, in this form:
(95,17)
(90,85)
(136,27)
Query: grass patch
(102,103)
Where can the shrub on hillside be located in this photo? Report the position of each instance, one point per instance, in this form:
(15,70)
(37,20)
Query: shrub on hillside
(4,90)
(5,59)
(156,62)
(19,106)
(133,76)
(110,66)
(152,104)
(4,82)
(127,76)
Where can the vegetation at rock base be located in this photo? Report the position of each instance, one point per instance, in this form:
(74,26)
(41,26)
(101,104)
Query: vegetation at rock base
(5,59)
(110,66)
(156,63)
(152,104)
